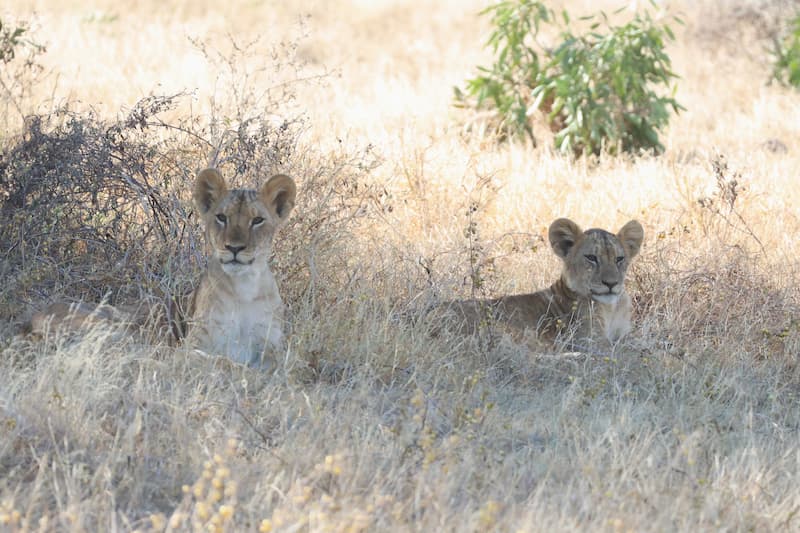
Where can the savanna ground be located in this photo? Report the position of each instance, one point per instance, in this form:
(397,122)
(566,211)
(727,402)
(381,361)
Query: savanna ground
(369,423)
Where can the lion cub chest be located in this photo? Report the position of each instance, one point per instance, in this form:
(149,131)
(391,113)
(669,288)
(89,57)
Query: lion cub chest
(240,317)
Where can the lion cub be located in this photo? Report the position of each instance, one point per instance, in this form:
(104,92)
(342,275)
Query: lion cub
(235,310)
(588,301)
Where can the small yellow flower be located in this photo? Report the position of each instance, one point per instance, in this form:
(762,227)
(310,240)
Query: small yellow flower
(158,521)
(488,514)
(202,511)
(266,526)
(230,489)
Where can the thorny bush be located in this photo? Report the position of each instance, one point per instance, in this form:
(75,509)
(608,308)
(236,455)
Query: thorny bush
(93,209)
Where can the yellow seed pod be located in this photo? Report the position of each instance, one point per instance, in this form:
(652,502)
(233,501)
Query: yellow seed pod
(201,508)
(158,521)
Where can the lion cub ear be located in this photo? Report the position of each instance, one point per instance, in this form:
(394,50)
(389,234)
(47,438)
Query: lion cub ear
(209,187)
(564,233)
(278,195)
(631,236)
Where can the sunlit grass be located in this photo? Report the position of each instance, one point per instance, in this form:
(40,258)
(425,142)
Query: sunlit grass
(369,423)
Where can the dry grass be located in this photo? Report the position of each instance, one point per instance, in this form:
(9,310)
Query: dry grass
(369,424)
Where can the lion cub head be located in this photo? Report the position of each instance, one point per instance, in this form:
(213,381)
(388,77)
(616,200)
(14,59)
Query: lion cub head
(595,261)
(240,223)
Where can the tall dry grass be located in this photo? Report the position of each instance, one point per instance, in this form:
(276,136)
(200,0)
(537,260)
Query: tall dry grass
(369,423)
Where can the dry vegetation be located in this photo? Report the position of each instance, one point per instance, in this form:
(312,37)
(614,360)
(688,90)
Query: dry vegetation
(370,424)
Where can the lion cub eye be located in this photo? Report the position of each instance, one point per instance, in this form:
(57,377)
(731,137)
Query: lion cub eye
(591,258)
(257,221)
(222,219)
(620,259)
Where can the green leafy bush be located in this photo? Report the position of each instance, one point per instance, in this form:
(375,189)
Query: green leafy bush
(10,40)
(786,68)
(507,84)
(598,90)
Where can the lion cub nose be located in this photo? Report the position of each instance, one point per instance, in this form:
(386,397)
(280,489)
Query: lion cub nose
(610,284)
(234,249)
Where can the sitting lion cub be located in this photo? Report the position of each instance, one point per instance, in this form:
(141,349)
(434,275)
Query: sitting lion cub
(236,309)
(587,302)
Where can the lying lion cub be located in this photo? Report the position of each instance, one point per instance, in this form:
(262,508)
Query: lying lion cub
(236,309)
(587,302)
